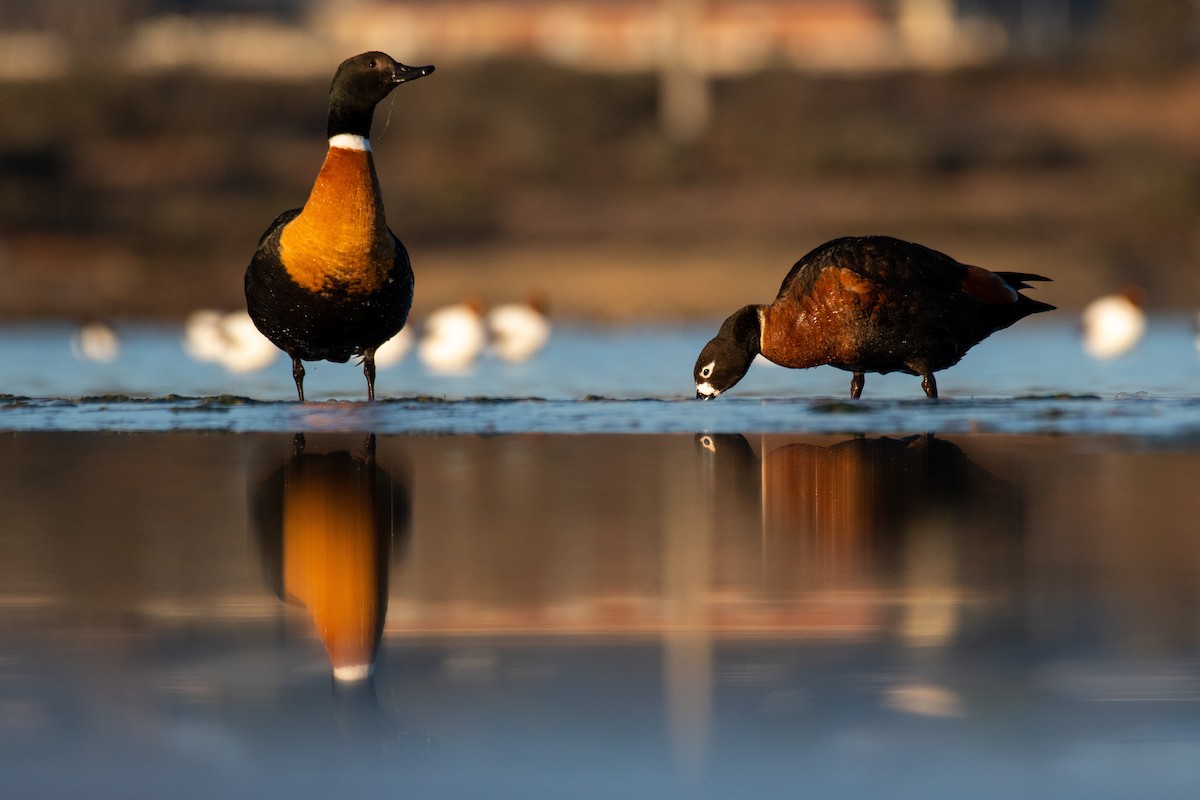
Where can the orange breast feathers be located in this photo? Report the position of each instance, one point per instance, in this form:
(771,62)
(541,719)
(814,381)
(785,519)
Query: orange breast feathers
(330,561)
(340,238)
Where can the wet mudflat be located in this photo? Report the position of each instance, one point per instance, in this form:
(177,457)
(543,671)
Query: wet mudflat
(688,615)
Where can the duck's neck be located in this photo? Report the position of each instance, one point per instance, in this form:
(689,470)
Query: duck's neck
(745,327)
(341,235)
(349,117)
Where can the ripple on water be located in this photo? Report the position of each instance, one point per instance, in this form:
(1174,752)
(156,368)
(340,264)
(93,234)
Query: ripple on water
(1134,415)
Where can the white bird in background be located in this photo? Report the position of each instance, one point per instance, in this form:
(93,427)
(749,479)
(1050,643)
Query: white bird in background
(95,341)
(518,329)
(394,350)
(230,340)
(453,337)
(1113,324)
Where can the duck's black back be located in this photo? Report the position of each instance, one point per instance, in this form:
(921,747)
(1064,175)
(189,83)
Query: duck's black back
(881,259)
(925,305)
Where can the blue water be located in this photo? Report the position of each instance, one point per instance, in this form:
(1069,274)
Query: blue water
(595,616)
(1033,378)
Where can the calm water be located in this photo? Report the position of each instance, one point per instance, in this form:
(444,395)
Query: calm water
(574,580)
(599,616)
(1033,378)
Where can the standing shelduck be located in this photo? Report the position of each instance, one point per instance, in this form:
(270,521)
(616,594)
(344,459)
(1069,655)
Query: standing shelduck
(330,280)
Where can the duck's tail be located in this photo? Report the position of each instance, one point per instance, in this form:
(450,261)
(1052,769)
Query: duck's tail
(1020,280)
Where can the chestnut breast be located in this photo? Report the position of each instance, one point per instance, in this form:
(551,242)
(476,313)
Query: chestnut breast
(340,239)
(824,325)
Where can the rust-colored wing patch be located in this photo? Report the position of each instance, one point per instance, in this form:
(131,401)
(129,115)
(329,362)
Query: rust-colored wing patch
(988,287)
(854,283)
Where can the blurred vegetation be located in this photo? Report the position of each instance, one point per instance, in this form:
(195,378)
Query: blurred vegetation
(146,195)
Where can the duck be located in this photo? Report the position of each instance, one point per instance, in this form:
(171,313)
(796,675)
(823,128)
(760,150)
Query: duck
(868,304)
(453,337)
(330,281)
(1114,324)
(394,350)
(230,339)
(96,341)
(518,330)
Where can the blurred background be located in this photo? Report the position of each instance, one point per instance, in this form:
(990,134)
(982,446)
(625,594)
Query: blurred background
(625,159)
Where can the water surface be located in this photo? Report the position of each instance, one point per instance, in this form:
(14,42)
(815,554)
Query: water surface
(708,615)
(573,579)
(1032,378)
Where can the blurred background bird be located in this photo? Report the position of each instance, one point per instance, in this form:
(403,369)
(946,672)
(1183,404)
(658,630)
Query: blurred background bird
(394,350)
(453,337)
(96,341)
(1114,324)
(229,339)
(518,330)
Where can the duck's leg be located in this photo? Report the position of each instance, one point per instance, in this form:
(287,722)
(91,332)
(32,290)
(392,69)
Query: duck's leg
(298,377)
(929,384)
(856,385)
(369,371)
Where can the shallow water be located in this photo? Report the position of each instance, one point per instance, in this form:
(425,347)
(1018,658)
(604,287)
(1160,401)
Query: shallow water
(590,584)
(1032,378)
(599,616)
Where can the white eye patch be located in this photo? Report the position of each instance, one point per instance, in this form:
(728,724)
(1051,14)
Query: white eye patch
(707,369)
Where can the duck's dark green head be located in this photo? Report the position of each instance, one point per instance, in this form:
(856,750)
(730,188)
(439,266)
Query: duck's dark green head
(359,84)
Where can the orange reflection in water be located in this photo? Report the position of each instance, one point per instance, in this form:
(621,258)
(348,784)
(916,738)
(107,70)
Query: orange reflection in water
(849,530)
(327,523)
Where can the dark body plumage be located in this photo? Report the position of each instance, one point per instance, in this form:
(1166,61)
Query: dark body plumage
(330,281)
(332,325)
(869,304)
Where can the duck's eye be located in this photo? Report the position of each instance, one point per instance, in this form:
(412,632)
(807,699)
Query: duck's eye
(371,63)
(706,372)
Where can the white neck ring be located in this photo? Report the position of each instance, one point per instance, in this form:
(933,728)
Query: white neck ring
(350,141)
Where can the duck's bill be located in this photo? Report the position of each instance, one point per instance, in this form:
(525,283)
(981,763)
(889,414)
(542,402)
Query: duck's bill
(406,73)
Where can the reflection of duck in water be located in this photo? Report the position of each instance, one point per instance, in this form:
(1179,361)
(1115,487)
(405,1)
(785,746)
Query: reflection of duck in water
(903,542)
(855,505)
(327,523)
